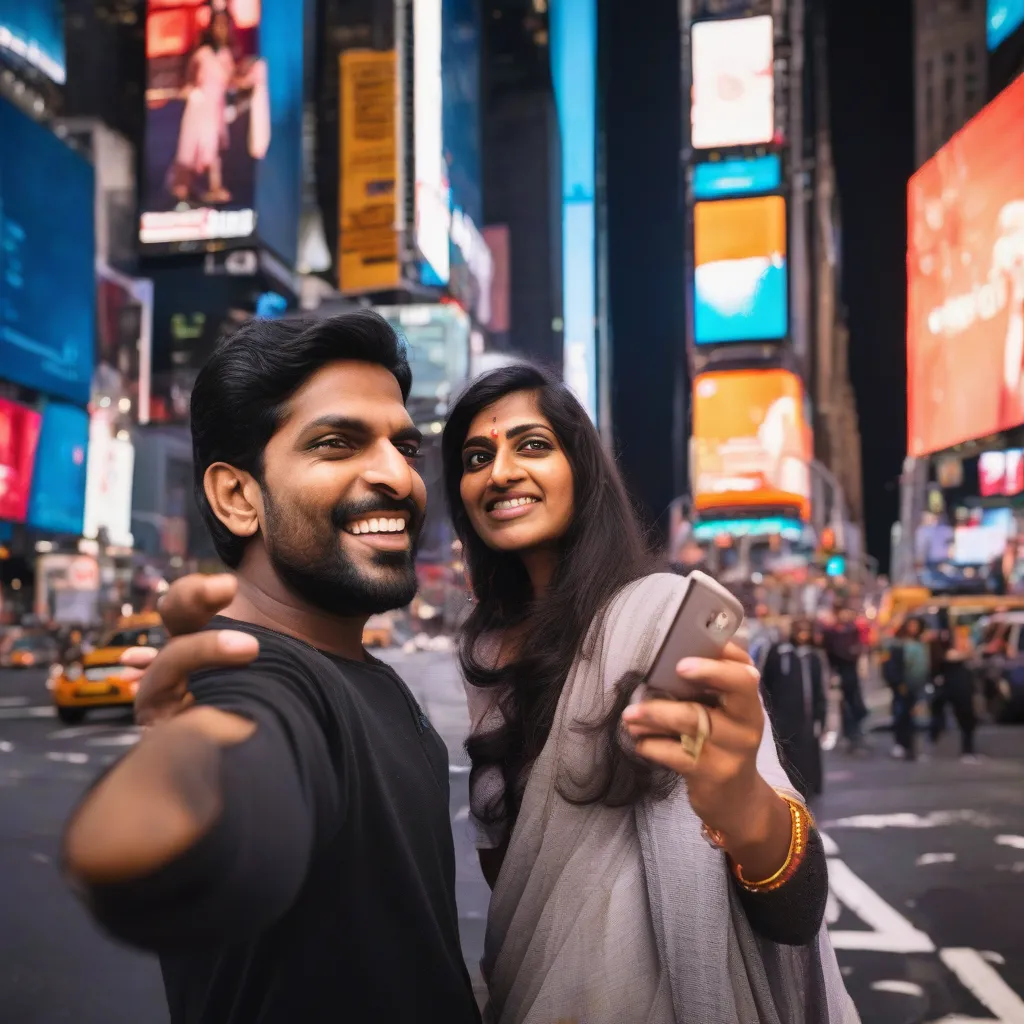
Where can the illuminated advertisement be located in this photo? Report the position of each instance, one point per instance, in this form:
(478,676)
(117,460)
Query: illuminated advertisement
(573,25)
(223,141)
(368,159)
(108,483)
(965,282)
(58,485)
(1003,17)
(733,100)
(740,278)
(472,266)
(1001,473)
(19,438)
(437,334)
(33,30)
(433,210)
(46,236)
(721,178)
(752,444)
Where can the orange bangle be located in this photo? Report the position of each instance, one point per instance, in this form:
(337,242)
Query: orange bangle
(802,823)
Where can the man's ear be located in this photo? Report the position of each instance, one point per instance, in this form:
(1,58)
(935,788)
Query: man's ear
(235,498)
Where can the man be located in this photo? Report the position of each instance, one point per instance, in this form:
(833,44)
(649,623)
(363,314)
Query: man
(842,644)
(284,843)
(906,669)
(793,681)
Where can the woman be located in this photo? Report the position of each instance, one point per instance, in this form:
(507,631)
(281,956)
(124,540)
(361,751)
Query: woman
(793,679)
(643,867)
(203,135)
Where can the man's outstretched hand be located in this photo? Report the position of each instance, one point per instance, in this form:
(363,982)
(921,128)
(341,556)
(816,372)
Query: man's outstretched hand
(186,609)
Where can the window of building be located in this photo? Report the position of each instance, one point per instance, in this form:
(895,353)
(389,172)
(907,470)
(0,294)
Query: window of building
(970,56)
(949,60)
(967,6)
(950,89)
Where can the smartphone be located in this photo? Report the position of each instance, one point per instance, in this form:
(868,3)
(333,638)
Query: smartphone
(707,619)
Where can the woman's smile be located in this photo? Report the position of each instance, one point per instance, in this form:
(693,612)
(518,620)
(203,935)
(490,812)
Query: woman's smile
(512,506)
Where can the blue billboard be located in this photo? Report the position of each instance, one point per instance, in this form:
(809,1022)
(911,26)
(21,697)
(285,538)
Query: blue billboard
(738,177)
(33,31)
(57,502)
(1003,19)
(47,260)
(460,78)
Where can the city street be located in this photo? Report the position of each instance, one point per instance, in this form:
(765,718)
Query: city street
(926,864)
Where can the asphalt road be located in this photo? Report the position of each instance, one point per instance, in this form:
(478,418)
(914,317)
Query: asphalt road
(926,864)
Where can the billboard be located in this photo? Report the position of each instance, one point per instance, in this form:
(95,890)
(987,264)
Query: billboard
(368,164)
(19,438)
(1001,474)
(34,32)
(47,236)
(965,282)
(437,335)
(740,275)
(108,482)
(58,486)
(223,140)
(733,101)
(740,177)
(433,209)
(1003,18)
(752,443)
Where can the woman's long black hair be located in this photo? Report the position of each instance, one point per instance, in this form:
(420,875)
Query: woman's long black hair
(601,552)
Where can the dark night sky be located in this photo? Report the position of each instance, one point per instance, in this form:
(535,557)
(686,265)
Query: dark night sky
(871,66)
(871,54)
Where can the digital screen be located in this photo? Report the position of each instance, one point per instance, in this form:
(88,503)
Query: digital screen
(790,529)
(573,27)
(740,276)
(33,30)
(965,282)
(19,438)
(836,566)
(47,261)
(223,138)
(438,344)
(433,210)
(722,178)
(58,487)
(108,484)
(752,444)
(733,101)
(1001,473)
(368,164)
(1003,19)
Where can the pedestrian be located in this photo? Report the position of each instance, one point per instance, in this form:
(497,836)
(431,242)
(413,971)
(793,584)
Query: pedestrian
(955,686)
(587,832)
(843,646)
(793,683)
(906,669)
(283,844)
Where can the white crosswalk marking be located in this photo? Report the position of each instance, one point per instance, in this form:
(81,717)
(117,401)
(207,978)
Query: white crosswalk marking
(984,983)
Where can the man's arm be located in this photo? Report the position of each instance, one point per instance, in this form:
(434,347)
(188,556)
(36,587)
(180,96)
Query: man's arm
(203,834)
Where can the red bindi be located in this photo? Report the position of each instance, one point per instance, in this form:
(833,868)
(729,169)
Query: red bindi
(494,429)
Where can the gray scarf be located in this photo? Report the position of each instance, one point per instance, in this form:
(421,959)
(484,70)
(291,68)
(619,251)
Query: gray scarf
(626,915)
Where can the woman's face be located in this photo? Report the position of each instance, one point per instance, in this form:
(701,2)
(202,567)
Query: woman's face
(517,483)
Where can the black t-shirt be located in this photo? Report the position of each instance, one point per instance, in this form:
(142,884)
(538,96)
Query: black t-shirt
(326,890)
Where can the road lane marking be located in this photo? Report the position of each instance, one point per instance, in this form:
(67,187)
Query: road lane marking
(903,988)
(1014,842)
(985,984)
(5,747)
(458,769)
(831,849)
(935,858)
(462,814)
(69,757)
(123,739)
(38,712)
(13,702)
(890,931)
(937,819)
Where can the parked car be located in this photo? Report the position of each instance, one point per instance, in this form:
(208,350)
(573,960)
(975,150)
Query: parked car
(30,650)
(1000,652)
(97,679)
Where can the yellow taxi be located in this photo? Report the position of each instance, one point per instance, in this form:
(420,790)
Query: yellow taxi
(97,679)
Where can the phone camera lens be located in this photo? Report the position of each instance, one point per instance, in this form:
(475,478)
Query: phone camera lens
(719,623)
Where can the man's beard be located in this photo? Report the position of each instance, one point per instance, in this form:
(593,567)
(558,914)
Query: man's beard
(310,559)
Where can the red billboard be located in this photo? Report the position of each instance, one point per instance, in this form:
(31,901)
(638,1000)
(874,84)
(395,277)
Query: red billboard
(965,281)
(19,436)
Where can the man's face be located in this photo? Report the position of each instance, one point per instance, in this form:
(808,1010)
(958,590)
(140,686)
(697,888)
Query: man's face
(342,503)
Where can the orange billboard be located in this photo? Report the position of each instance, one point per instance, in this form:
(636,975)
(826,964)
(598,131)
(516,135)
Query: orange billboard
(965,282)
(752,444)
(368,259)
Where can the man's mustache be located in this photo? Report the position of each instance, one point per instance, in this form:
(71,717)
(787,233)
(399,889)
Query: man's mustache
(376,508)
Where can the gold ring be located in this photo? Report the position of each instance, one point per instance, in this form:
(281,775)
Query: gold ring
(694,745)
